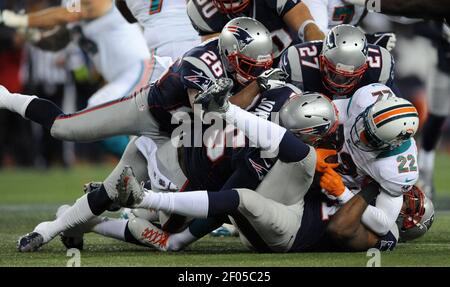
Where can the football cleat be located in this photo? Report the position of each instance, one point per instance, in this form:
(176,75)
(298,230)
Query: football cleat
(226,230)
(148,234)
(130,191)
(30,242)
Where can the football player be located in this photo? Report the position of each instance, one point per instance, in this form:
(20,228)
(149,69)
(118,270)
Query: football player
(117,48)
(330,13)
(376,156)
(239,164)
(103,34)
(438,107)
(375,147)
(280,17)
(339,65)
(149,112)
(166,25)
(379,128)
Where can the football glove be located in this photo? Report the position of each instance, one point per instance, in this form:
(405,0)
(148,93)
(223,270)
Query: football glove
(215,98)
(271,79)
(331,183)
(385,40)
(323,158)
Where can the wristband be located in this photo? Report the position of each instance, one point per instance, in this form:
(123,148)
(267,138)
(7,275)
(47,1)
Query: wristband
(345,196)
(301,30)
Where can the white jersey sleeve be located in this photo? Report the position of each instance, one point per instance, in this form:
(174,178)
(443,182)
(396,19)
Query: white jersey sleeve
(382,216)
(319,11)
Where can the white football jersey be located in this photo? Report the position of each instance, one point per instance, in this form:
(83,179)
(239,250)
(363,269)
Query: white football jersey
(330,13)
(113,44)
(395,170)
(167,27)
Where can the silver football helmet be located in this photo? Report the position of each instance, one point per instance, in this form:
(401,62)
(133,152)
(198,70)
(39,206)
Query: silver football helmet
(416,216)
(311,117)
(343,60)
(386,124)
(245,46)
(231,6)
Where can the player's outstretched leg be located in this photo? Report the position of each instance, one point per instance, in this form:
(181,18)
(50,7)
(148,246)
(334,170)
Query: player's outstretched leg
(89,205)
(126,116)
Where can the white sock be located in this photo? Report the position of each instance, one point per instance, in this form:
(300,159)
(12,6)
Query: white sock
(179,241)
(78,213)
(264,134)
(111,227)
(426,165)
(17,103)
(193,204)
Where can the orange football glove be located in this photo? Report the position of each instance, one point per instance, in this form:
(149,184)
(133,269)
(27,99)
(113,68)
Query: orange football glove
(322,155)
(332,183)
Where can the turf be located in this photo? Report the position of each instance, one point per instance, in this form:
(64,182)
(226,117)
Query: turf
(28,197)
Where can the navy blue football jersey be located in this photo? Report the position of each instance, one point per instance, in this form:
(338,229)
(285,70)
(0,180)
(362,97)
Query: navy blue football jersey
(301,62)
(207,19)
(210,166)
(197,70)
(314,222)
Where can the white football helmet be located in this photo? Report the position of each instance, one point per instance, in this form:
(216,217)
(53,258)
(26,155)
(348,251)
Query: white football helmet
(416,216)
(386,124)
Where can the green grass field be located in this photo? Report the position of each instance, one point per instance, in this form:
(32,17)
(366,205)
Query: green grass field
(29,197)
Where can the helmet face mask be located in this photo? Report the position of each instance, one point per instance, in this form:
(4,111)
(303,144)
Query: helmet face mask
(416,216)
(231,6)
(339,81)
(385,125)
(343,59)
(245,47)
(362,136)
(246,68)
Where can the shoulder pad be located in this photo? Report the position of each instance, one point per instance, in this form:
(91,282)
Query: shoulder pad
(364,97)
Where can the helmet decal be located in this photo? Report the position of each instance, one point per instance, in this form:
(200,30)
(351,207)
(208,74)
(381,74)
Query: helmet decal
(242,36)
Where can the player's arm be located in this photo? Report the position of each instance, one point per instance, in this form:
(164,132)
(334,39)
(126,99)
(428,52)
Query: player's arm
(47,18)
(319,11)
(299,19)
(346,228)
